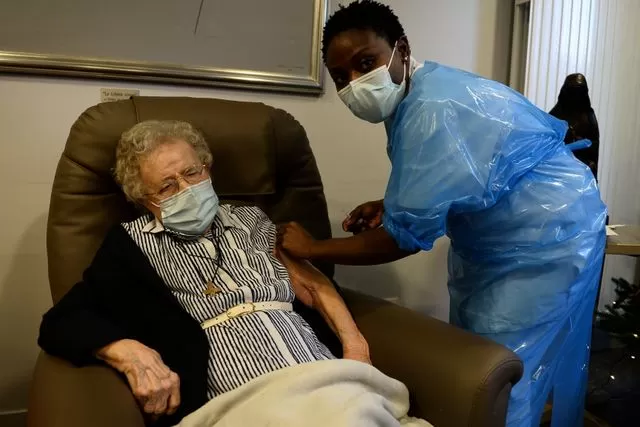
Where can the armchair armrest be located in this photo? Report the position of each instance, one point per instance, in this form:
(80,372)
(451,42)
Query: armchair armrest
(455,378)
(65,396)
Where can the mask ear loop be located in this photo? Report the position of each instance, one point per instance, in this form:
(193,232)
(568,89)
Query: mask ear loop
(404,65)
(393,52)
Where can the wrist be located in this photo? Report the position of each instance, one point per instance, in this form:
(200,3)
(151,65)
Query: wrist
(112,353)
(107,351)
(355,345)
(315,249)
(352,339)
(324,250)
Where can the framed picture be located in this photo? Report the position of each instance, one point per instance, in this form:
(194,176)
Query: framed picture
(266,45)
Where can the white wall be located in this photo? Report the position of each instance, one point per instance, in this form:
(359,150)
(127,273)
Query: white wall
(36,114)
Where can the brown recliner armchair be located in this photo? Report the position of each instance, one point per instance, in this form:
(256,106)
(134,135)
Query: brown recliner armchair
(262,157)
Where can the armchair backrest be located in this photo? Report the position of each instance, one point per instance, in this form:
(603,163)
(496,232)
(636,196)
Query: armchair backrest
(261,157)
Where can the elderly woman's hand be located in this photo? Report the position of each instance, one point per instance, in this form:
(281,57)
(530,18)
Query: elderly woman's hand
(155,386)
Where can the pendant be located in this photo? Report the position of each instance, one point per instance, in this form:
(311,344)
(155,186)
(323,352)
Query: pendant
(212,289)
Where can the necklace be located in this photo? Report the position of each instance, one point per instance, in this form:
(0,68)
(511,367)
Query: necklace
(211,289)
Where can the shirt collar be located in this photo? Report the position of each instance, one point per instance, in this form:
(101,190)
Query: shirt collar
(153,226)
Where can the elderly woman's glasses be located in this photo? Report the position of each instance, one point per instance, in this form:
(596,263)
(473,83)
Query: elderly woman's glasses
(171,186)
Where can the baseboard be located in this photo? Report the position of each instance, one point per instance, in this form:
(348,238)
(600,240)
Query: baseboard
(13,418)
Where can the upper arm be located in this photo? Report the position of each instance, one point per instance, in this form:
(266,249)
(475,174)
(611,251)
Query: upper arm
(306,280)
(303,293)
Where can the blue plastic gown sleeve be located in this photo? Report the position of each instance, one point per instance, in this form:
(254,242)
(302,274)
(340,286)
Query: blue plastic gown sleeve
(433,168)
(456,143)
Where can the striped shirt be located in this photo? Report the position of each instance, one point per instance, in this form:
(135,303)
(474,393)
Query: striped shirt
(236,256)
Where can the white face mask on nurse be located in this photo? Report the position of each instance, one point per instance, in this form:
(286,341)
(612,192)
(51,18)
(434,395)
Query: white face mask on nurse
(370,76)
(374,96)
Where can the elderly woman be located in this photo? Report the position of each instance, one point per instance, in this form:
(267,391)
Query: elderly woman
(188,301)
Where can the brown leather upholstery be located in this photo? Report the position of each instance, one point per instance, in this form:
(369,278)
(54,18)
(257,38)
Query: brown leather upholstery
(262,157)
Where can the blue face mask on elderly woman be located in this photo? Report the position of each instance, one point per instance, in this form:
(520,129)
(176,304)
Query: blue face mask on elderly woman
(190,212)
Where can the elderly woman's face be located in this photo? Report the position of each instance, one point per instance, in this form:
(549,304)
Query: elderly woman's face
(167,170)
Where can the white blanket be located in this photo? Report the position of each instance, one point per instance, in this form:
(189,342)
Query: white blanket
(336,393)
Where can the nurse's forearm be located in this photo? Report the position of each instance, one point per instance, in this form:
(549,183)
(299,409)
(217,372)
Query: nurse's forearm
(367,248)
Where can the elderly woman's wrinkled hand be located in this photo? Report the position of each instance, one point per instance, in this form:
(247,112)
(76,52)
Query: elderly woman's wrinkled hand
(155,386)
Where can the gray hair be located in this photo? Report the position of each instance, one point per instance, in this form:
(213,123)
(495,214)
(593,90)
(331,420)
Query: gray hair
(142,139)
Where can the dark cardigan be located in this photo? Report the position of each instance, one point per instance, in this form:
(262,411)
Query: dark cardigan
(121,296)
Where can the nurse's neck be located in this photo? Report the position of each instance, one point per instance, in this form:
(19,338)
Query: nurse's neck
(413,66)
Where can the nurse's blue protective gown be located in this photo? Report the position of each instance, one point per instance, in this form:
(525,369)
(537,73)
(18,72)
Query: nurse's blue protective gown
(476,160)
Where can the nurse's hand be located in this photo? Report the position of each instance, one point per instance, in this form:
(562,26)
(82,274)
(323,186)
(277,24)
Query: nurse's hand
(294,239)
(367,216)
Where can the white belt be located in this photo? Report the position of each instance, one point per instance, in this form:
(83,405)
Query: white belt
(242,309)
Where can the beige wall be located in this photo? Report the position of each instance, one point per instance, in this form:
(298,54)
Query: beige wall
(36,113)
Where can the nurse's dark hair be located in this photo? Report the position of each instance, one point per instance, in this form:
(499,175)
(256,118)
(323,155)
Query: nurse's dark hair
(363,15)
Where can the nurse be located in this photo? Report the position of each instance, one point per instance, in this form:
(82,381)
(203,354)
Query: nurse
(476,161)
